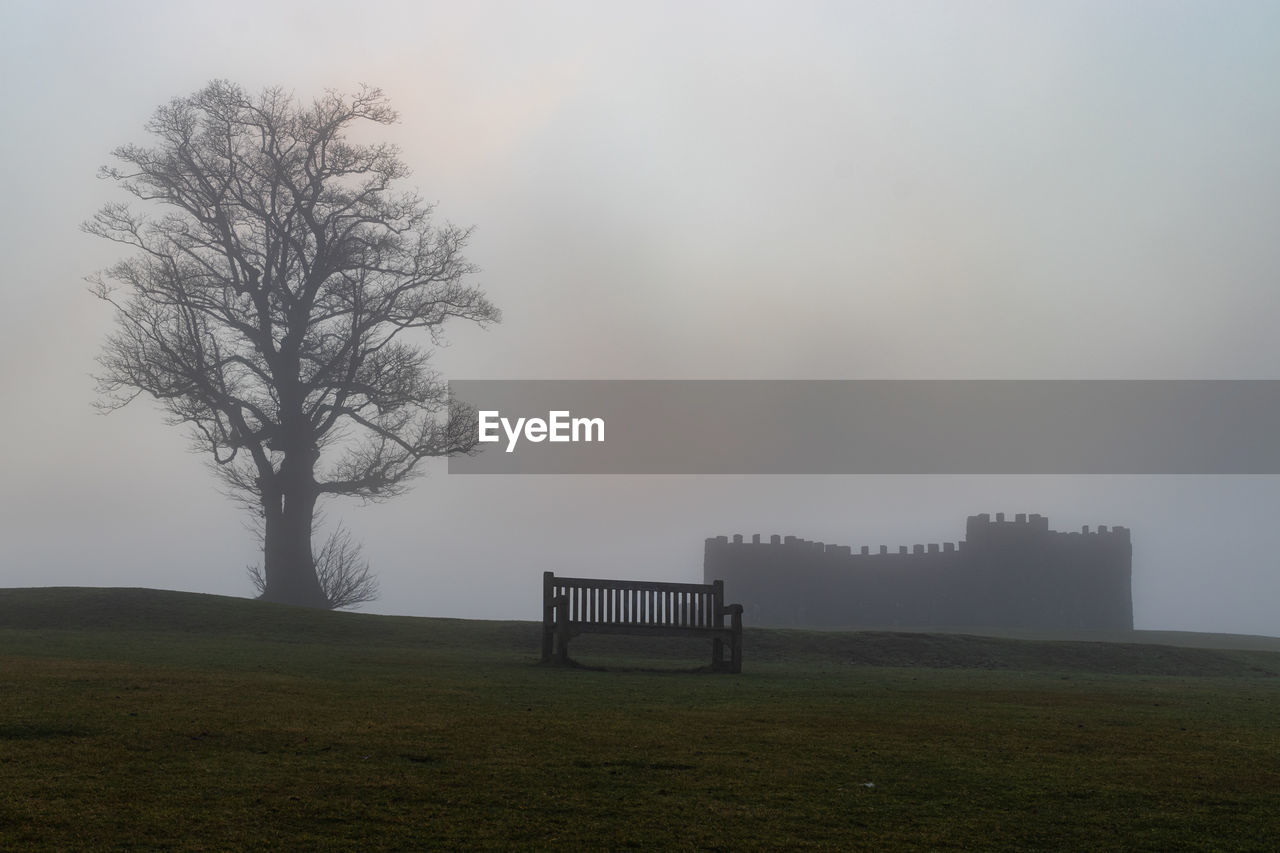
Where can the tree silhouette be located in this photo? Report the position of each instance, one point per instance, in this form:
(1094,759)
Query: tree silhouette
(273,305)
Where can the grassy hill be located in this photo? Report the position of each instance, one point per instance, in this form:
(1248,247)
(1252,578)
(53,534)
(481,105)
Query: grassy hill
(147,719)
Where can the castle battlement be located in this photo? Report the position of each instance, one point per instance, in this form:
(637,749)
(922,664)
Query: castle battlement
(1014,573)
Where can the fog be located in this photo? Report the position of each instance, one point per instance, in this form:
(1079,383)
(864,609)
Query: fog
(716,191)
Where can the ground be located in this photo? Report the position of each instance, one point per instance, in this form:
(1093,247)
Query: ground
(140,719)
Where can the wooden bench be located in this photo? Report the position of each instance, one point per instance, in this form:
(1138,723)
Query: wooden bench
(572,606)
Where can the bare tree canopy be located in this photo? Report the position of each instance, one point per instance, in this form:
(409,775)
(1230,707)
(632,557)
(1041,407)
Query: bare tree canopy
(267,306)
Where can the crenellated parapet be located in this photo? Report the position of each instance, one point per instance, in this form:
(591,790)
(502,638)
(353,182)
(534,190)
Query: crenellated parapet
(1005,573)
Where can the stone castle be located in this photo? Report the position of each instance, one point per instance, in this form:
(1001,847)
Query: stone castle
(1014,574)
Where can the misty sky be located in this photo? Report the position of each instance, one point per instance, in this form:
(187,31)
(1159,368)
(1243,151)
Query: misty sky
(905,190)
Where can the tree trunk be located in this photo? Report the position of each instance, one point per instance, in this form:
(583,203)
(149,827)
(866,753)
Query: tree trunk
(288,564)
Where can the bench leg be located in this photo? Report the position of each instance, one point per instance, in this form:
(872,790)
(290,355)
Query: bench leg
(735,664)
(717,654)
(562,630)
(548,640)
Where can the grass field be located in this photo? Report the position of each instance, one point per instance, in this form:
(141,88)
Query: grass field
(138,719)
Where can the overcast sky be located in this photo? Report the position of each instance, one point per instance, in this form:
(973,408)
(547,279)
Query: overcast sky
(903,190)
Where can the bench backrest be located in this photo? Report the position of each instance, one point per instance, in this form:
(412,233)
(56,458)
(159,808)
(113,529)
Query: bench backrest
(592,601)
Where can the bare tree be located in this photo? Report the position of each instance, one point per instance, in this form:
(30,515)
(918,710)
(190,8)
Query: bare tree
(343,573)
(268,306)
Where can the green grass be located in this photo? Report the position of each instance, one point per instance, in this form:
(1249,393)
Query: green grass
(138,719)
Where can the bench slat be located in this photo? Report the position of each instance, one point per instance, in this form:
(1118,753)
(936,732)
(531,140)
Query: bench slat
(602,583)
(657,630)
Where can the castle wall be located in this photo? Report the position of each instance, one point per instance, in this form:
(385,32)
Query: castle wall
(1004,574)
